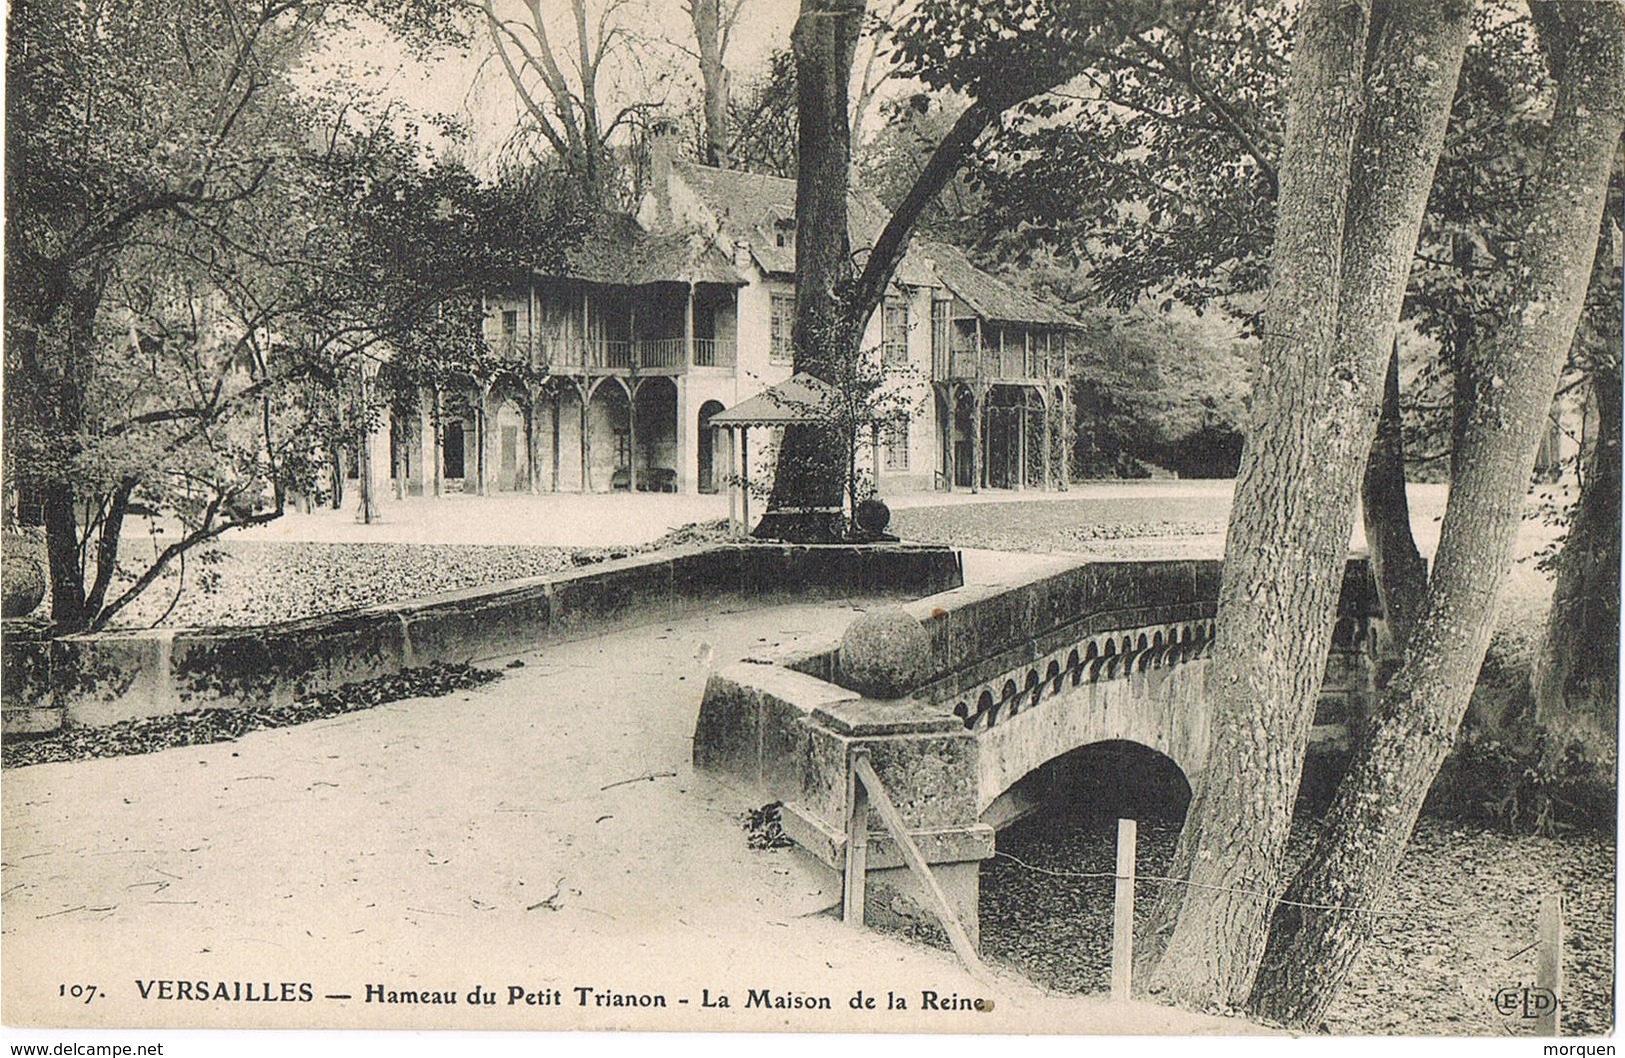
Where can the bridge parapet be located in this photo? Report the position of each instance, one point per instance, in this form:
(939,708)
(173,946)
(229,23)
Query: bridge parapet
(1119,648)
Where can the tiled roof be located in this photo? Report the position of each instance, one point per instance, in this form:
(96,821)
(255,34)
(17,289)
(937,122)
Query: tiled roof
(619,252)
(751,204)
(988,296)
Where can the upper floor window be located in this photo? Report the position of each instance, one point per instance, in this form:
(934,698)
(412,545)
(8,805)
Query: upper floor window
(510,324)
(939,328)
(894,333)
(784,233)
(781,351)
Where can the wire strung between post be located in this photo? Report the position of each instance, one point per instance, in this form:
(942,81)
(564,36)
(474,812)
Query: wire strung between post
(1165,880)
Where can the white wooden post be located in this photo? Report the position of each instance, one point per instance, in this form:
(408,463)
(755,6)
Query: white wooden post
(744,477)
(733,481)
(857,850)
(1123,913)
(1549,965)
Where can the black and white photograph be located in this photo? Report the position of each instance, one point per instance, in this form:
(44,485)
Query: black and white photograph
(1091,518)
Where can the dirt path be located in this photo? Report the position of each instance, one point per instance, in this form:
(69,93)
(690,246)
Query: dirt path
(491,839)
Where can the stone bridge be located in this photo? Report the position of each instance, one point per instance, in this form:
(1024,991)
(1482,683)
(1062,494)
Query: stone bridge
(1019,676)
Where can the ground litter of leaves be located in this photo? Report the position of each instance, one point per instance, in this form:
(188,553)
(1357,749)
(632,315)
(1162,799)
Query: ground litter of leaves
(1460,924)
(150,734)
(257,582)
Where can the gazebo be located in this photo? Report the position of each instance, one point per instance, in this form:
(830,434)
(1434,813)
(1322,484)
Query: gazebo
(801,398)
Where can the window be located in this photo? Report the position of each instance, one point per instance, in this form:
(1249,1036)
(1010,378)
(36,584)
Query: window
(510,332)
(896,437)
(939,334)
(894,333)
(784,233)
(784,317)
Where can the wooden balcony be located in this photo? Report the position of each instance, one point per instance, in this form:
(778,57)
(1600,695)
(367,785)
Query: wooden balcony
(991,363)
(646,356)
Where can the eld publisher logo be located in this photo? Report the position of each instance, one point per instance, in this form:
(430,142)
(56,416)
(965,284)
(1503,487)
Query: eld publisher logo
(1526,1002)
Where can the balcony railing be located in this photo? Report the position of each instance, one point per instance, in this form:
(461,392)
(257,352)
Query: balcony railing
(713,352)
(587,355)
(964,360)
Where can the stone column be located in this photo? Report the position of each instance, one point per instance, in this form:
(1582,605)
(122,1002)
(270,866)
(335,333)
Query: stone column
(428,470)
(631,388)
(532,412)
(1021,440)
(688,454)
(558,454)
(585,393)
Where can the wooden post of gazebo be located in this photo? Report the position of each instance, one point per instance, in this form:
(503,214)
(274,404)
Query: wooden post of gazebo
(733,484)
(744,477)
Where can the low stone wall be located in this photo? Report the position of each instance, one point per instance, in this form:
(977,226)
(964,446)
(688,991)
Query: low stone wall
(99,679)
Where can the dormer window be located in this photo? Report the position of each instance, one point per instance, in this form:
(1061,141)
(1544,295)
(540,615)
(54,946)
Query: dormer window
(784,233)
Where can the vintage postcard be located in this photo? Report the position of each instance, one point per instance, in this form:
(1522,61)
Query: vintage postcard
(746,516)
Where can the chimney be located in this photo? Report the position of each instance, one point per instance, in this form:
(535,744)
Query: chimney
(662,149)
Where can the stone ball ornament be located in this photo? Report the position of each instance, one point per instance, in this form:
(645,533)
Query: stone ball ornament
(872,516)
(885,653)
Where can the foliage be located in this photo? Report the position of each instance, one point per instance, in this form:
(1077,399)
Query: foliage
(564,74)
(198,282)
(1160,390)
(1523,788)
(762,115)
(1155,171)
(892,159)
(1156,164)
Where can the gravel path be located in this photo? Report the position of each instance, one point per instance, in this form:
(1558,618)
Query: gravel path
(1115,527)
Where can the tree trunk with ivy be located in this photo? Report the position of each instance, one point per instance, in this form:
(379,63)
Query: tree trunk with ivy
(1576,673)
(808,480)
(1313,948)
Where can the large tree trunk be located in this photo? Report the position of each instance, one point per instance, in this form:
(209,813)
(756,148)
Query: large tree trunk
(811,460)
(1322,924)
(1399,569)
(1576,673)
(49,367)
(62,558)
(711,36)
(1282,552)
(1295,499)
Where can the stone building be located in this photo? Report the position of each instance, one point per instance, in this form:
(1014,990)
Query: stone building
(661,320)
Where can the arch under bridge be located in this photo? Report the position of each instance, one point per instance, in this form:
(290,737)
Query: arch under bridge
(1020,676)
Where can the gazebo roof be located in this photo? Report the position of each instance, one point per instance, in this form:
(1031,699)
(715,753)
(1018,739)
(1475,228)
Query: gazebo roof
(799,398)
